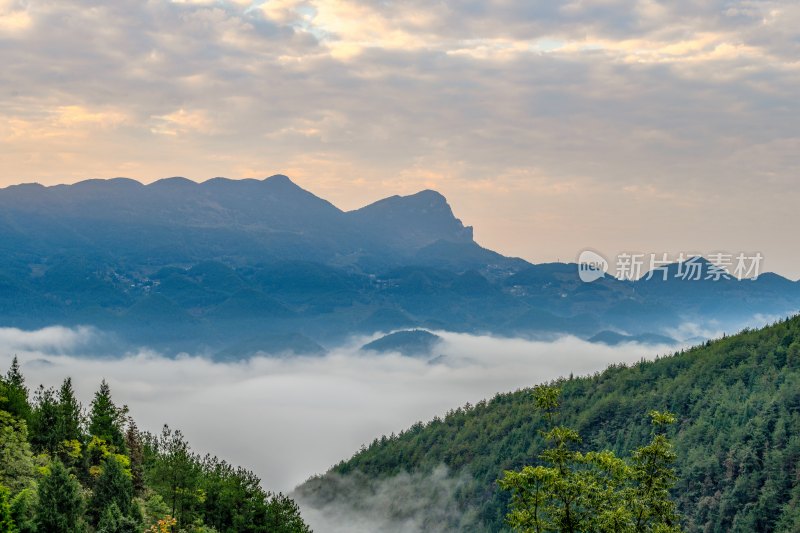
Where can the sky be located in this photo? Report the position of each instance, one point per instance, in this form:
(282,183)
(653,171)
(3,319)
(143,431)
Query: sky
(551,126)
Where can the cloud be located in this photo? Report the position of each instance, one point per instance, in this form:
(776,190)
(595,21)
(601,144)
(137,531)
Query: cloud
(51,340)
(360,99)
(290,418)
(404,503)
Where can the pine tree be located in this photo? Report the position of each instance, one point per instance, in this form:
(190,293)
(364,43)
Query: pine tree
(69,413)
(14,375)
(60,507)
(106,419)
(283,516)
(14,393)
(113,487)
(45,435)
(133,440)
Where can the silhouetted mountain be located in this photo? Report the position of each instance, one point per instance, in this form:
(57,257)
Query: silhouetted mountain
(185,266)
(176,220)
(424,217)
(612,338)
(417,342)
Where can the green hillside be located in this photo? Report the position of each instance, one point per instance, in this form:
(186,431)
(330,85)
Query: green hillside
(737,437)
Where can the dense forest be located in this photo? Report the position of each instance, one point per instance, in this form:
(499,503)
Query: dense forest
(63,470)
(737,435)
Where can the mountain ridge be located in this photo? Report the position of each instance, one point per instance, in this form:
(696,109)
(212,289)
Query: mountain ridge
(736,400)
(179,266)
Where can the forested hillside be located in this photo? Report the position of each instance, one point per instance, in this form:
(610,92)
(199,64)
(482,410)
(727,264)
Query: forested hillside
(737,436)
(64,472)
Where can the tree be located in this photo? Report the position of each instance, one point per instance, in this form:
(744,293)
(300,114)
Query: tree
(45,435)
(60,507)
(573,492)
(6,520)
(115,521)
(23,510)
(106,420)
(69,413)
(283,516)
(14,393)
(175,474)
(16,461)
(113,487)
(133,440)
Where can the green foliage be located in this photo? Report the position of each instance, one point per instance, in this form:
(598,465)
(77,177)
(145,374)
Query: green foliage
(208,491)
(133,441)
(16,461)
(6,518)
(61,506)
(114,520)
(131,481)
(736,404)
(23,510)
(592,491)
(69,413)
(283,516)
(45,435)
(112,488)
(106,420)
(14,393)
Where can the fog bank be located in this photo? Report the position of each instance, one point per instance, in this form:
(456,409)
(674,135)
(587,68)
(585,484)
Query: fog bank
(289,418)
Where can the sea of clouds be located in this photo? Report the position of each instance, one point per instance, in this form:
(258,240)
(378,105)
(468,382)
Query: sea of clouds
(288,418)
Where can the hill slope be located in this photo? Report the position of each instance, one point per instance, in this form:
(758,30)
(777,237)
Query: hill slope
(737,439)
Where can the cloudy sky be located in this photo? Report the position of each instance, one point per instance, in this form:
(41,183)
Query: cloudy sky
(551,126)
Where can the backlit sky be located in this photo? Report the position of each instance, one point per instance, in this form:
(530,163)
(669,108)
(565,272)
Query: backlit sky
(550,126)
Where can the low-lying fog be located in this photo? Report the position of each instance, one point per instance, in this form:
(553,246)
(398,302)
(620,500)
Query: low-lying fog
(289,418)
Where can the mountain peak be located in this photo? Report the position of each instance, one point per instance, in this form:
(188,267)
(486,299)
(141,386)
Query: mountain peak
(175,181)
(280,179)
(413,221)
(427,195)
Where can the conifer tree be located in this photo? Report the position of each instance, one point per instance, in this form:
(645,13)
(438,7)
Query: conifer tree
(69,413)
(60,507)
(133,441)
(14,393)
(45,435)
(113,487)
(106,420)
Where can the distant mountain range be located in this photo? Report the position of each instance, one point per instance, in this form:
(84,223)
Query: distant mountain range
(234,267)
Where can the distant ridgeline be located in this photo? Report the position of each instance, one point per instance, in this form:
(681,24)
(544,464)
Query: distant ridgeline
(61,471)
(737,439)
(234,267)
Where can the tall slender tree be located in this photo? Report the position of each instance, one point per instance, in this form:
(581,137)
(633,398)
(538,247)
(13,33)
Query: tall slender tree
(14,392)
(69,412)
(106,420)
(133,440)
(45,434)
